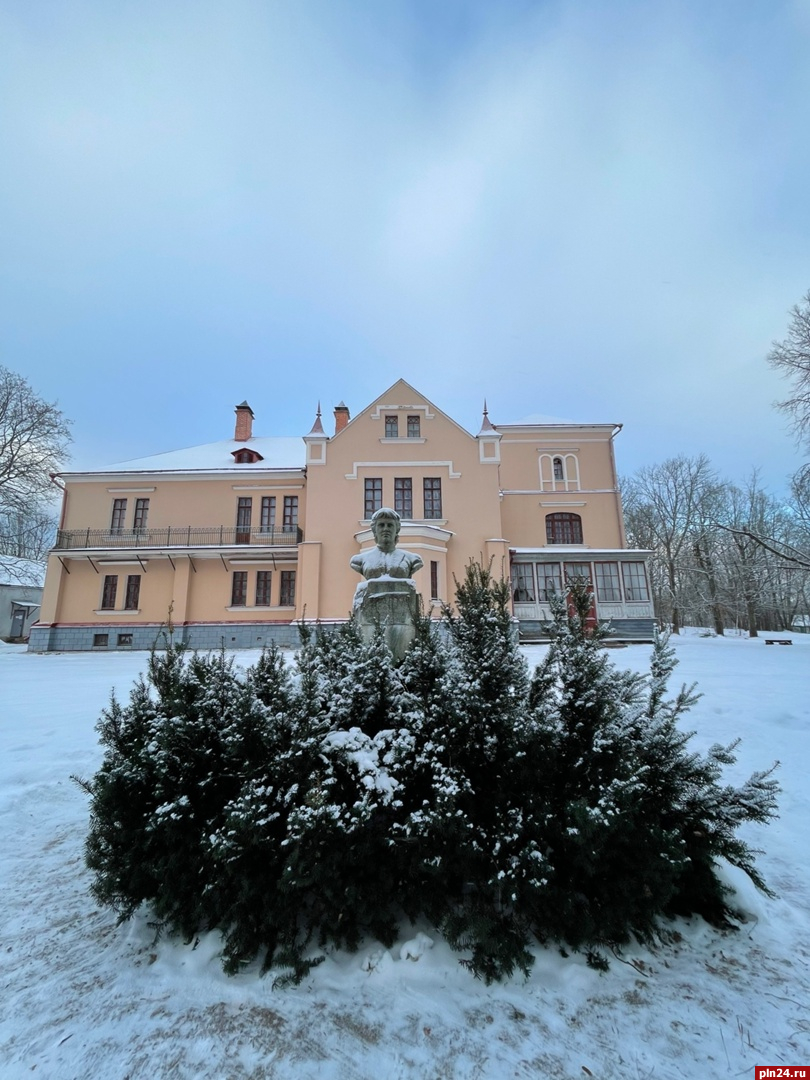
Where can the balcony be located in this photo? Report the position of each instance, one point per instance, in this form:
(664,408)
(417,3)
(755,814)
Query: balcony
(176,536)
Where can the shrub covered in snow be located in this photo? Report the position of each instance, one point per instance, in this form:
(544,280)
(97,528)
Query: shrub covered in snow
(318,805)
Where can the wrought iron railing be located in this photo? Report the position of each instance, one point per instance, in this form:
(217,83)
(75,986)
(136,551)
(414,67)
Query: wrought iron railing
(177,536)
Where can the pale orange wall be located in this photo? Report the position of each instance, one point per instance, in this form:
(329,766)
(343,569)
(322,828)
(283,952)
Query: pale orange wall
(210,592)
(527,499)
(335,493)
(197,502)
(477,522)
(201,595)
(521,450)
(524,519)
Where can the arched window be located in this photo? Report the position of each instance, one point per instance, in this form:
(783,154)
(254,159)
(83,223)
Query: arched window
(563,528)
(559,472)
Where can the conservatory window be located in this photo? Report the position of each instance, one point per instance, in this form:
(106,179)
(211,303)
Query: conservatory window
(608,589)
(522,583)
(635,582)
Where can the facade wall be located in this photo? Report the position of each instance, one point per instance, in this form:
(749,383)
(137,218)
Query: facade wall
(486,496)
(588,487)
(336,518)
(198,502)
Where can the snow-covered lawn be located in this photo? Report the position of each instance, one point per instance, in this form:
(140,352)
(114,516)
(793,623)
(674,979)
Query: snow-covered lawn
(83,998)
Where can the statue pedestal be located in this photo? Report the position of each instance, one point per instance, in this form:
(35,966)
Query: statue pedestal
(389,603)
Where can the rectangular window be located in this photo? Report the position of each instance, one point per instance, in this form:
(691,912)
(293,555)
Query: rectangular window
(108,592)
(434,580)
(286,596)
(263,579)
(522,583)
(608,589)
(239,588)
(548,580)
(392,427)
(413,427)
(124,641)
(268,521)
(432,487)
(141,514)
(244,515)
(372,495)
(101,641)
(290,511)
(133,592)
(119,513)
(403,496)
(635,583)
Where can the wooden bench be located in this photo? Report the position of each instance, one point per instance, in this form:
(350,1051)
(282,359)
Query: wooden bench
(778,641)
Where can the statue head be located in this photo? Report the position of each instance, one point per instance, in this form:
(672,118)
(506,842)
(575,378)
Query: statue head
(385,524)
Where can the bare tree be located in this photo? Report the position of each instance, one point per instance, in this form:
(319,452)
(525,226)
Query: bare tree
(791,358)
(34,439)
(665,506)
(29,534)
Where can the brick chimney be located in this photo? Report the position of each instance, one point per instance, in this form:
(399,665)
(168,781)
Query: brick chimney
(244,423)
(341,417)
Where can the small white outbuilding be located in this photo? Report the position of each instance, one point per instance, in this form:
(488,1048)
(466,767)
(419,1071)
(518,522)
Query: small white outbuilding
(21,582)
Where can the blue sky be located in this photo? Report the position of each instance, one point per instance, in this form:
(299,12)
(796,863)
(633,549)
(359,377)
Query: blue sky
(585,209)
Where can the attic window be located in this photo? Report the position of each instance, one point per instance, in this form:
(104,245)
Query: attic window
(246,457)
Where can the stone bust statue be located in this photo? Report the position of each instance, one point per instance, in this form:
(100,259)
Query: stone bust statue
(386,560)
(387,598)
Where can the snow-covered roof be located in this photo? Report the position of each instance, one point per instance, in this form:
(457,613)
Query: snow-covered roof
(541,420)
(14,571)
(579,553)
(534,419)
(278,452)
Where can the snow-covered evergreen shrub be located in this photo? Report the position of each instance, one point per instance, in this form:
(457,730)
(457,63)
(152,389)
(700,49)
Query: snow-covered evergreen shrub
(632,822)
(320,804)
(169,771)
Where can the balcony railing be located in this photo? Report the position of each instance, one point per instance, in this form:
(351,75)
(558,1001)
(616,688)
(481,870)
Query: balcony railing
(177,536)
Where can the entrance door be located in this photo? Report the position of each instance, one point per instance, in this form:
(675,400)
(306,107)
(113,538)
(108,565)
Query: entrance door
(17,622)
(244,512)
(581,572)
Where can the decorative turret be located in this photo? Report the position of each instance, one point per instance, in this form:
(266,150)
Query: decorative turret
(316,441)
(489,441)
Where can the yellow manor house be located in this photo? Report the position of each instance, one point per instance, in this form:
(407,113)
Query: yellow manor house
(236,541)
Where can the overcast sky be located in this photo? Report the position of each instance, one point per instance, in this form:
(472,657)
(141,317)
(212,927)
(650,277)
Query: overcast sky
(593,209)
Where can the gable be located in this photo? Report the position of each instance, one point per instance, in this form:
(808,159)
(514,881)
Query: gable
(401,400)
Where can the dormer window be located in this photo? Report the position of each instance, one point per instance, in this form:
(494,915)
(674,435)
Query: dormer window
(244,456)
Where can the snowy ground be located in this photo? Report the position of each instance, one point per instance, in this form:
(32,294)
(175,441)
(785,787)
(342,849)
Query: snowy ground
(83,998)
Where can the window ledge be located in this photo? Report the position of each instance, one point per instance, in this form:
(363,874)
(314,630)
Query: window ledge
(256,607)
(405,439)
(366,522)
(117,611)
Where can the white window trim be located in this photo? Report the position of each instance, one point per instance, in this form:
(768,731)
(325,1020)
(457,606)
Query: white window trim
(570,465)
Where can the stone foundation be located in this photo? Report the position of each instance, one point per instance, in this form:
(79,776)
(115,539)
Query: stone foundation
(123,637)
